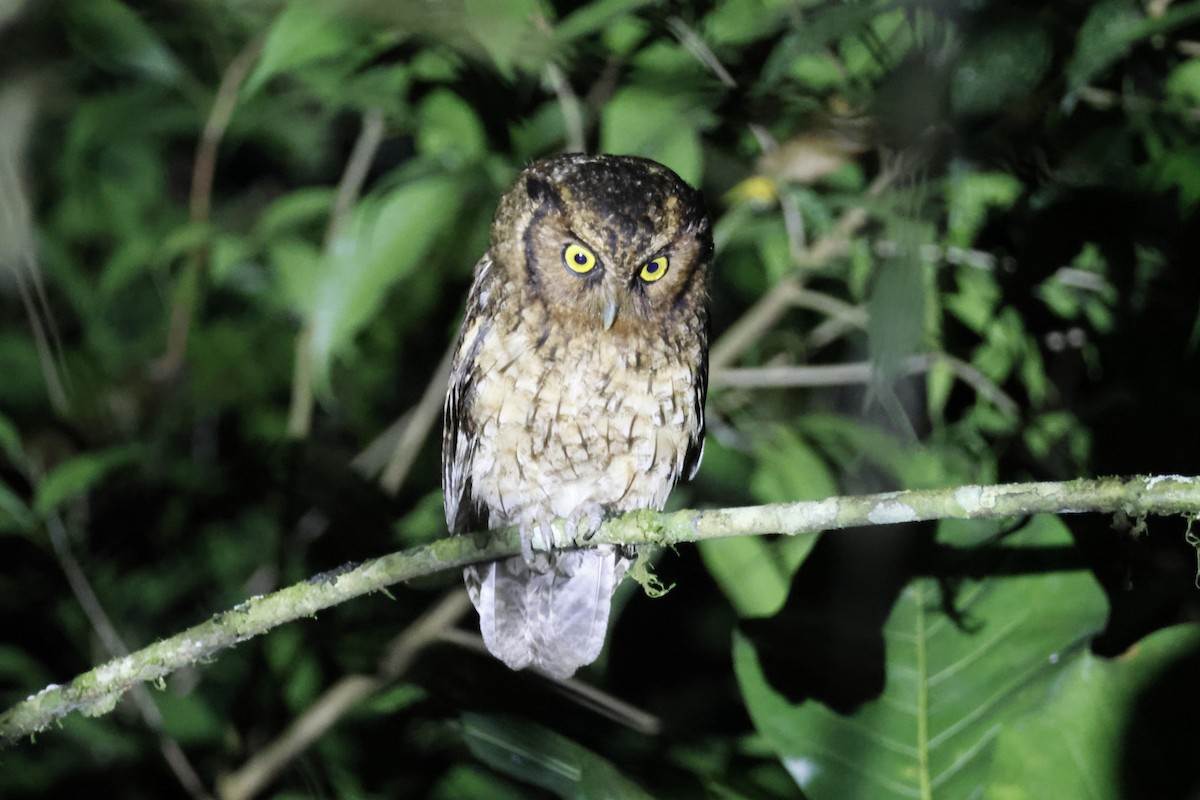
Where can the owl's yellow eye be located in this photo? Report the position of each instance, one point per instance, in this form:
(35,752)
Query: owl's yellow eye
(653,270)
(579,259)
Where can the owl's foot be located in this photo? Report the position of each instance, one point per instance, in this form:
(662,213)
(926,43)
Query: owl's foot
(585,521)
(540,539)
(537,545)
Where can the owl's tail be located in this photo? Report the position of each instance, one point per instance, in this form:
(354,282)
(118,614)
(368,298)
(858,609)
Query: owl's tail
(555,620)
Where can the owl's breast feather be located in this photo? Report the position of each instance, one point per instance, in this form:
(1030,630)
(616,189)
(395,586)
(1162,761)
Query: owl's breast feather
(568,423)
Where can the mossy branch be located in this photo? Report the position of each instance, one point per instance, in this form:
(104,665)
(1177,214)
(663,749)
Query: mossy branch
(97,691)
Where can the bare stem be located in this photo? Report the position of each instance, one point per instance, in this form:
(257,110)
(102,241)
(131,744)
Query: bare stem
(335,701)
(204,167)
(349,187)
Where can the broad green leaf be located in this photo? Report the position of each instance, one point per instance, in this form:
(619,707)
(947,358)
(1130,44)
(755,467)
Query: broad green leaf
(739,22)
(18,668)
(953,683)
(818,71)
(756,573)
(467,781)
(971,195)
(592,17)
(189,718)
(386,239)
(294,211)
(896,325)
(15,516)
(848,442)
(789,469)
(303,33)
(1110,28)
(1073,746)
(1184,82)
(77,475)
(10,442)
(544,758)
(670,135)
(450,130)
(511,33)
(862,60)
(116,38)
(750,572)
(1178,169)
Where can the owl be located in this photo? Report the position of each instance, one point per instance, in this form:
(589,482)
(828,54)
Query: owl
(577,390)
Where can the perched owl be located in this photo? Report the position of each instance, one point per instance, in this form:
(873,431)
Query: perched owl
(577,389)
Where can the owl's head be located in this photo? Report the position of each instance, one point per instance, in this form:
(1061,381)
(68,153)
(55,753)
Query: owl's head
(610,242)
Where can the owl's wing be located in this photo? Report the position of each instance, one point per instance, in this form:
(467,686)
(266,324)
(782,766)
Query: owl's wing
(695,446)
(459,434)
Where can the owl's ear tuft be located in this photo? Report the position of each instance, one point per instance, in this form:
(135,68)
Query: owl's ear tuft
(540,191)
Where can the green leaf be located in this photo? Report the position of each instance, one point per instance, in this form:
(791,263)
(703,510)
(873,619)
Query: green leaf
(450,130)
(114,36)
(10,442)
(1184,82)
(789,469)
(1111,28)
(510,33)
(18,668)
(1081,743)
(971,195)
(739,22)
(294,211)
(756,573)
(670,135)
(544,758)
(77,475)
(592,17)
(469,781)
(1178,169)
(952,682)
(385,239)
(189,718)
(1107,33)
(303,33)
(15,516)
(749,571)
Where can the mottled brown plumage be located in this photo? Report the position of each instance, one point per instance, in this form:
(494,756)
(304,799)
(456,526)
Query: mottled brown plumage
(577,389)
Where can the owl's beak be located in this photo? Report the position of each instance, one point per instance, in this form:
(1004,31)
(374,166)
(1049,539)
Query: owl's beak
(610,314)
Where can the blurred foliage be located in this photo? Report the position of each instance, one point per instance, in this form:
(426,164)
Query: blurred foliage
(234,242)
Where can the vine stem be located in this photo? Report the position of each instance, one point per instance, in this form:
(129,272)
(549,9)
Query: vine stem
(97,691)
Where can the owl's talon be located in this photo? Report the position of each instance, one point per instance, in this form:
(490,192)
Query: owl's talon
(537,543)
(585,522)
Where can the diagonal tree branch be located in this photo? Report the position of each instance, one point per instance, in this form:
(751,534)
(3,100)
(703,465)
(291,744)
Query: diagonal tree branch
(97,691)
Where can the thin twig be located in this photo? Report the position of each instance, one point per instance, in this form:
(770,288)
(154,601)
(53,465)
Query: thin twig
(794,376)
(571,108)
(584,694)
(349,187)
(18,250)
(696,46)
(204,167)
(98,618)
(338,699)
(763,315)
(97,691)
(423,415)
(355,174)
